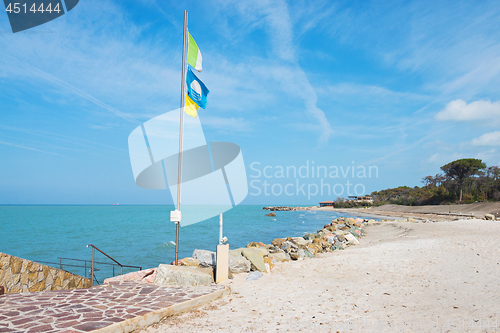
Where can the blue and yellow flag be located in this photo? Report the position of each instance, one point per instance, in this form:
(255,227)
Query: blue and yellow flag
(191,107)
(196,90)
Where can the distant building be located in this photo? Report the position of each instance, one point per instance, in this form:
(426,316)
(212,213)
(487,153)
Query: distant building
(327,204)
(364,198)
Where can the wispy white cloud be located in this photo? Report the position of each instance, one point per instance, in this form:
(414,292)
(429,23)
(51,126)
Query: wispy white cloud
(289,74)
(459,110)
(26,147)
(487,139)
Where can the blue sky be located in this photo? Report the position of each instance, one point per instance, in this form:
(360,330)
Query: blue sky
(401,86)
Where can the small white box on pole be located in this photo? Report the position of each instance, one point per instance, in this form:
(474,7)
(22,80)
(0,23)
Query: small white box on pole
(175,216)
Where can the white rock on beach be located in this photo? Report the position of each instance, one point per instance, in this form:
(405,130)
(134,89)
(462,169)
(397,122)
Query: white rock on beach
(206,258)
(239,264)
(351,239)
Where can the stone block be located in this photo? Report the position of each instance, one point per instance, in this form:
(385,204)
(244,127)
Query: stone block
(256,259)
(239,264)
(206,258)
(279,256)
(189,261)
(168,275)
(16,265)
(237,252)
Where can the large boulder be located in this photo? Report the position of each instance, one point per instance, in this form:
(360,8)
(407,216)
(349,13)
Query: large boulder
(279,256)
(300,241)
(289,247)
(278,241)
(189,262)
(256,259)
(272,214)
(269,263)
(351,239)
(489,217)
(308,254)
(349,220)
(309,236)
(237,252)
(168,275)
(239,264)
(256,244)
(206,258)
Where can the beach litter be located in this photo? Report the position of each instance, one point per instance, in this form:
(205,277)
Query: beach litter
(254,276)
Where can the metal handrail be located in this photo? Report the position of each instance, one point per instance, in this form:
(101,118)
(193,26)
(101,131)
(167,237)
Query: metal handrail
(57,263)
(121,266)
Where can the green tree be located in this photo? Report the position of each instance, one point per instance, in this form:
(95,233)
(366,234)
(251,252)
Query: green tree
(462,169)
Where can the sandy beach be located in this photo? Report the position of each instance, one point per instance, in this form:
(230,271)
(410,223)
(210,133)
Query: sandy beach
(402,277)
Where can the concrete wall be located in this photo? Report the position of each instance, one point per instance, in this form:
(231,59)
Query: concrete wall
(19,275)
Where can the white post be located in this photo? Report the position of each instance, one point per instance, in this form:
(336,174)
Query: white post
(220,229)
(222,256)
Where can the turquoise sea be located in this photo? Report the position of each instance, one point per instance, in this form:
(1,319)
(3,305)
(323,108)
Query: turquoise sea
(137,235)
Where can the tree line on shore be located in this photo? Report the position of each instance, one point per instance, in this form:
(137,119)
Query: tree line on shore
(462,181)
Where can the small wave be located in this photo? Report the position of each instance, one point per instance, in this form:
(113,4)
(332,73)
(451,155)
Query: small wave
(169,244)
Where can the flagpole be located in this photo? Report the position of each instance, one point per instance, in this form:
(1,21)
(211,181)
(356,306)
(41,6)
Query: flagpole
(183,104)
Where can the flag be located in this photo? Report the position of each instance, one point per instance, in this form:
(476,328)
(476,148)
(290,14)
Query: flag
(196,90)
(194,54)
(191,107)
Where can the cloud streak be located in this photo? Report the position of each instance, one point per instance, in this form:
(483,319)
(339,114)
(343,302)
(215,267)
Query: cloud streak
(459,110)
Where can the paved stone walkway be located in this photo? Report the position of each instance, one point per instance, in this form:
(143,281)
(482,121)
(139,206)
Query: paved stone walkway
(113,307)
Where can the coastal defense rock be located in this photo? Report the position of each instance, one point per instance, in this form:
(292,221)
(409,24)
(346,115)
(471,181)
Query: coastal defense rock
(349,220)
(308,254)
(269,263)
(300,241)
(330,238)
(256,244)
(237,252)
(263,251)
(239,264)
(309,236)
(278,241)
(489,217)
(301,254)
(351,239)
(168,275)
(255,258)
(289,247)
(189,262)
(206,258)
(279,256)
(271,214)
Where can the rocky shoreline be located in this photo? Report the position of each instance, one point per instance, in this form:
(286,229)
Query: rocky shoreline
(256,258)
